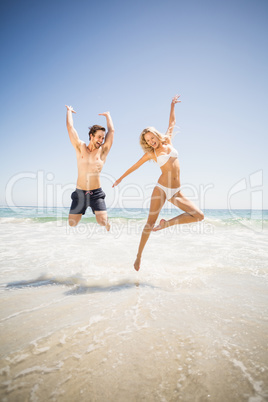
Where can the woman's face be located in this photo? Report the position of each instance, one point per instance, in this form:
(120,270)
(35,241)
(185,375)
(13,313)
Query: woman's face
(152,140)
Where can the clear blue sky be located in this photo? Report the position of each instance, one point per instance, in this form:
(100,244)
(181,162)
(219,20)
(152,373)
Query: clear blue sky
(130,58)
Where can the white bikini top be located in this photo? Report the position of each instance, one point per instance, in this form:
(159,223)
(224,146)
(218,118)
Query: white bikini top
(162,159)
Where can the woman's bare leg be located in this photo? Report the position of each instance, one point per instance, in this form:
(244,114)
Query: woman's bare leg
(157,201)
(192,213)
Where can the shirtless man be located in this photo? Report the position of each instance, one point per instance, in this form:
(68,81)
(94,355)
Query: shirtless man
(90,161)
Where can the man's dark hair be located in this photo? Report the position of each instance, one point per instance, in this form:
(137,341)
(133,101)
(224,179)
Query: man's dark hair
(93,129)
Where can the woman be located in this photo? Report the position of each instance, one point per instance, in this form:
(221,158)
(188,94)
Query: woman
(159,148)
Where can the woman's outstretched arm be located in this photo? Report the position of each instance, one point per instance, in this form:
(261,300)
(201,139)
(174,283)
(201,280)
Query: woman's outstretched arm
(146,157)
(172,117)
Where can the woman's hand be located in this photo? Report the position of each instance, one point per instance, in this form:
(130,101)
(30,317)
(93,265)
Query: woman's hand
(176,99)
(117,182)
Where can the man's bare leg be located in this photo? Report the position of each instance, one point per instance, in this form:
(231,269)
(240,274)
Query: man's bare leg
(102,219)
(74,219)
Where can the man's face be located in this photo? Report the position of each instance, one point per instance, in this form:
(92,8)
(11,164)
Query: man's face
(98,138)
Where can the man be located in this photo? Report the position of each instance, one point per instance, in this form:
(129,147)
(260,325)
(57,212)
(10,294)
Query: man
(90,161)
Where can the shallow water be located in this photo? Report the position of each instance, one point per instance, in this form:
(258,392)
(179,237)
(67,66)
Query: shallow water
(78,323)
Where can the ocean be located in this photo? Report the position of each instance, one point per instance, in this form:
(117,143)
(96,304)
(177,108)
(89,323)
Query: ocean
(78,323)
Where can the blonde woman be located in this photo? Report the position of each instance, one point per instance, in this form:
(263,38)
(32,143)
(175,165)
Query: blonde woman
(159,147)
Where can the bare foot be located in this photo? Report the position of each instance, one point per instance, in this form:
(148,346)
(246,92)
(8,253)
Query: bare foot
(108,226)
(162,225)
(137,264)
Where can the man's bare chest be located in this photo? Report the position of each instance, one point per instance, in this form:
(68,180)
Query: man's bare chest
(90,159)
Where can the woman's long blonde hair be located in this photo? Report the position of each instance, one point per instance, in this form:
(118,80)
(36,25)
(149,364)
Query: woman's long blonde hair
(143,143)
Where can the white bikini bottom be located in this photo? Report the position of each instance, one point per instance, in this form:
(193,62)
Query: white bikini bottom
(168,191)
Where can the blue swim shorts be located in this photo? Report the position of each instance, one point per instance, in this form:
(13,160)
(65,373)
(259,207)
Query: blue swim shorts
(83,199)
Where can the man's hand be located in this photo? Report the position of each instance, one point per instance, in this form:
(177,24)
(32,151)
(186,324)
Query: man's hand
(106,114)
(70,108)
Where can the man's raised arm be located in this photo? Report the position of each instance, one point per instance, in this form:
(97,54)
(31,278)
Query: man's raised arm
(71,130)
(108,142)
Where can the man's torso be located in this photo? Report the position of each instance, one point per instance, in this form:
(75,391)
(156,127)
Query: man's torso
(89,165)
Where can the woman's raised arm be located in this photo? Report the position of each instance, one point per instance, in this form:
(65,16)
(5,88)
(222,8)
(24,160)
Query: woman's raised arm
(172,117)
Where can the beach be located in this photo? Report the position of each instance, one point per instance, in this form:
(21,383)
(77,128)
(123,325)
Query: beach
(78,323)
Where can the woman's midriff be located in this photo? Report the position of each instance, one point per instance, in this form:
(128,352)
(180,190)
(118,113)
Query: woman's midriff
(170,176)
